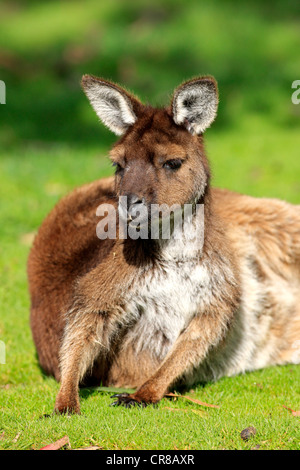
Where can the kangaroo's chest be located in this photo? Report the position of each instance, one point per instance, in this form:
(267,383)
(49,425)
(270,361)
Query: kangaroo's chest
(163,303)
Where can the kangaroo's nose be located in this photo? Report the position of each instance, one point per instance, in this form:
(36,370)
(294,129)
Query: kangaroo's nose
(134,199)
(135,206)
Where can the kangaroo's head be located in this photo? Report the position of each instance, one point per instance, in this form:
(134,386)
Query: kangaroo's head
(159,158)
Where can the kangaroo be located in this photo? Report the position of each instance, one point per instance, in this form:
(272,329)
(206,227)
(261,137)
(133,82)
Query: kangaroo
(150,313)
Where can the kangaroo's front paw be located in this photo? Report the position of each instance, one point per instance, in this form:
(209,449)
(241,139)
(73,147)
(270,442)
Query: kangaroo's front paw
(151,393)
(64,405)
(127,400)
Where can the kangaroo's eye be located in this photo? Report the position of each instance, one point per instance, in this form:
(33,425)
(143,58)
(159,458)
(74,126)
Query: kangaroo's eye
(117,167)
(173,164)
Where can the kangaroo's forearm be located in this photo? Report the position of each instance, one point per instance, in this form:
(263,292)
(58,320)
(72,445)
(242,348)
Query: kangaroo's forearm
(189,350)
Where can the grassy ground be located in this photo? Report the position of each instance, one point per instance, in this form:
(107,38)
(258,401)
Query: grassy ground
(51,142)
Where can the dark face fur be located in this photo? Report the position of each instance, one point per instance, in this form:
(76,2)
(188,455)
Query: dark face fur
(160,157)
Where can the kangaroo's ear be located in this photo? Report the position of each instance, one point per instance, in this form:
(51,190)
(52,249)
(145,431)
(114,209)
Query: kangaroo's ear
(116,108)
(195,104)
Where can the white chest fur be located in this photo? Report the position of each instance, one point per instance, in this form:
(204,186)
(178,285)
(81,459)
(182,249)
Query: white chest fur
(166,298)
(164,304)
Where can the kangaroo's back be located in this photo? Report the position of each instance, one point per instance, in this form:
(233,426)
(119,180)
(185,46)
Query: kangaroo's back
(265,233)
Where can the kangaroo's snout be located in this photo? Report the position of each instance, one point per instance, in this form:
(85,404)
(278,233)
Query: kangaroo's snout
(133,208)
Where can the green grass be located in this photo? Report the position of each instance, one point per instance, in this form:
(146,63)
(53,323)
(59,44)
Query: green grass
(254,399)
(51,142)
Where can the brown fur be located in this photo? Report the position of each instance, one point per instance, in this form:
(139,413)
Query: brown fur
(80,286)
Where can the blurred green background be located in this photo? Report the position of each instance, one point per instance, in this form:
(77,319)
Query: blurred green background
(252,48)
(51,141)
